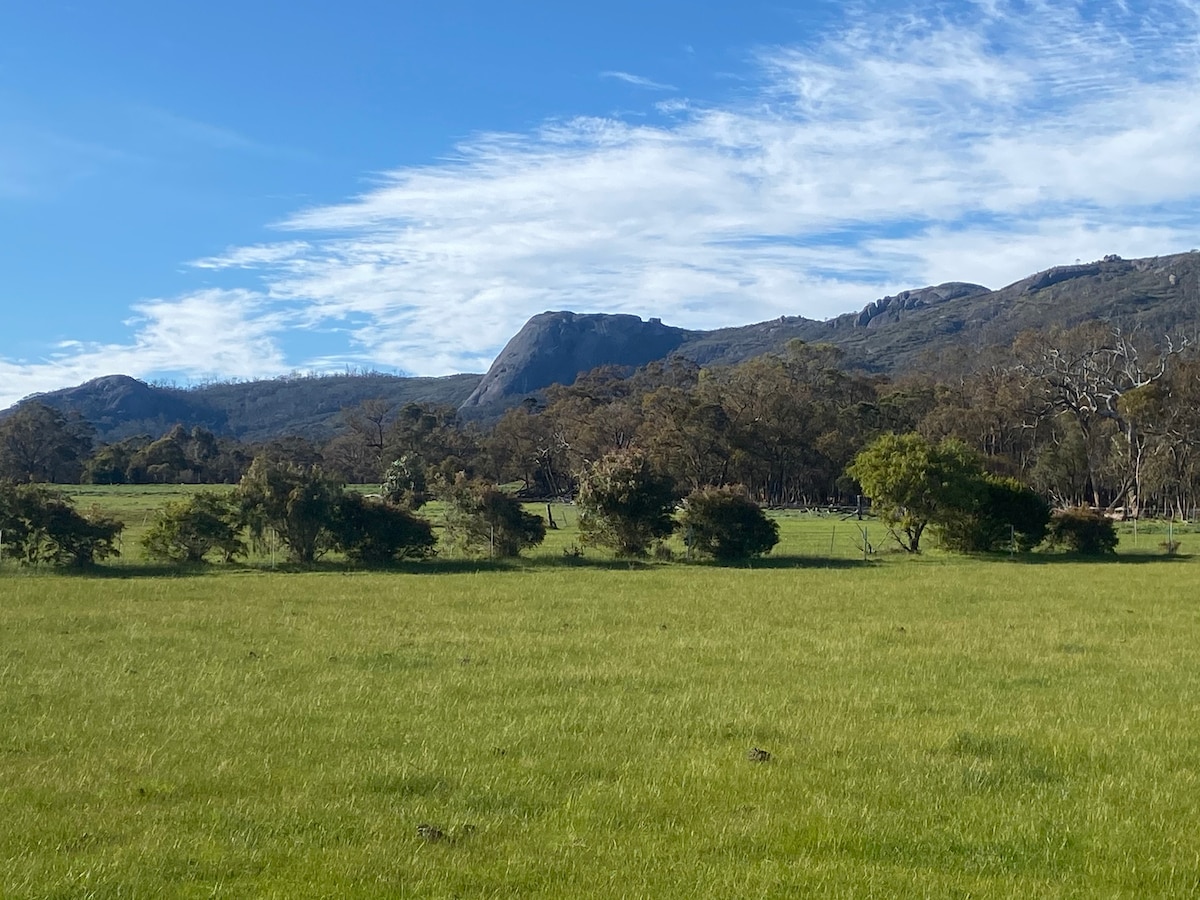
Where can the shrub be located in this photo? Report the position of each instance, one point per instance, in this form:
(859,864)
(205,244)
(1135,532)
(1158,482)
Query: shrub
(42,526)
(1084,531)
(482,518)
(298,502)
(185,531)
(375,533)
(1005,510)
(624,504)
(727,525)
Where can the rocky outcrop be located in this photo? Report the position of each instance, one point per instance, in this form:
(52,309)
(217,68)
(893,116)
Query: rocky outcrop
(555,347)
(1111,266)
(891,309)
(1158,295)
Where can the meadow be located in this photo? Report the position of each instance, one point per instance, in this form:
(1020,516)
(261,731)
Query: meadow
(580,727)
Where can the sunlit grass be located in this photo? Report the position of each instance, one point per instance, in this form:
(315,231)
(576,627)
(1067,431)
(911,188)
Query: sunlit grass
(571,726)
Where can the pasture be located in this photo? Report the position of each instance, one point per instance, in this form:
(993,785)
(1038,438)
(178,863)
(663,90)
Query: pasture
(566,727)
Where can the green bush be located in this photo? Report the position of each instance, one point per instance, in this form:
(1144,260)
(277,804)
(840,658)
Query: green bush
(1082,530)
(1004,511)
(376,533)
(297,502)
(480,518)
(185,531)
(42,526)
(624,504)
(727,525)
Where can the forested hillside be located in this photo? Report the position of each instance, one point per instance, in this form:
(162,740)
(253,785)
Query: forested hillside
(1087,416)
(118,406)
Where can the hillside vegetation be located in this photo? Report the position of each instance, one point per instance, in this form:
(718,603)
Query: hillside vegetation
(119,407)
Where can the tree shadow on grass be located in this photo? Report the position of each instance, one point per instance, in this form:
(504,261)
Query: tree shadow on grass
(129,571)
(538,563)
(785,562)
(1054,559)
(441,566)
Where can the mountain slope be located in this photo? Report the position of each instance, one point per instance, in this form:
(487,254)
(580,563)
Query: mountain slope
(119,406)
(727,346)
(1157,296)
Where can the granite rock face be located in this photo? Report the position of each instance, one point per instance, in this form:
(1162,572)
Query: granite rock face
(890,309)
(555,347)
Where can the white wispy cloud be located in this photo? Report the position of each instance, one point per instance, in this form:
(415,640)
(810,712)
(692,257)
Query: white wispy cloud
(639,81)
(901,150)
(207,334)
(254,255)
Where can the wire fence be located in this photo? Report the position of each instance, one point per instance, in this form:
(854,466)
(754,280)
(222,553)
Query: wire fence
(830,537)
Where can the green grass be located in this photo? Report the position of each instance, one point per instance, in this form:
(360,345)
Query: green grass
(940,727)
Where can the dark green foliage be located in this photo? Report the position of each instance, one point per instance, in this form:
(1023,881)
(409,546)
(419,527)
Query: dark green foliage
(110,463)
(624,504)
(376,533)
(312,514)
(297,502)
(1084,531)
(1006,512)
(161,462)
(40,525)
(188,530)
(727,525)
(178,457)
(480,518)
(39,443)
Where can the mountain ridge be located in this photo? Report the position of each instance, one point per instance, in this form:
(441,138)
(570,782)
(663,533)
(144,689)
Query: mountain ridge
(119,406)
(890,335)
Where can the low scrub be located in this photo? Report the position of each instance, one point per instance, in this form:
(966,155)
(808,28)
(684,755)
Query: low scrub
(41,526)
(186,531)
(1084,531)
(727,525)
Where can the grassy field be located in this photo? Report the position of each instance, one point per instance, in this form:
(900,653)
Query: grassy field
(938,727)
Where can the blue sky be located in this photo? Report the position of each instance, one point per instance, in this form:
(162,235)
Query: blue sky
(242,190)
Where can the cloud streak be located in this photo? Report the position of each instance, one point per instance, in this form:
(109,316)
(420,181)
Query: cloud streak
(901,150)
(639,81)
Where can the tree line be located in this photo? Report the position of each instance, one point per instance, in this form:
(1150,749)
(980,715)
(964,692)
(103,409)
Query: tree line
(1087,417)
